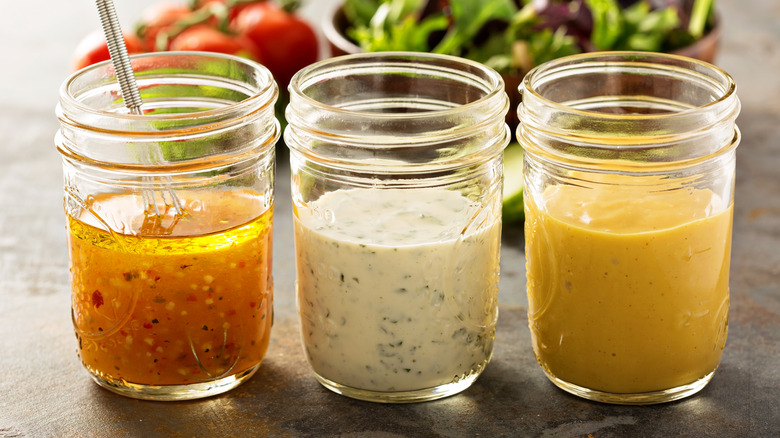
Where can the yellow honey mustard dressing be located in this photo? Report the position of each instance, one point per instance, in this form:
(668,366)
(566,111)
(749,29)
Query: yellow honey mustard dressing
(628,291)
(190,305)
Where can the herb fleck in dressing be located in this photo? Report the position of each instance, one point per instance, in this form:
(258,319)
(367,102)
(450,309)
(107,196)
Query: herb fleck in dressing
(393,296)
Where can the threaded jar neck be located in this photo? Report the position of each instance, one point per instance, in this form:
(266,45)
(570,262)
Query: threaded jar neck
(199,110)
(640,111)
(397,113)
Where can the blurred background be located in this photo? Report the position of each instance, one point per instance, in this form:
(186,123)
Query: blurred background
(41,37)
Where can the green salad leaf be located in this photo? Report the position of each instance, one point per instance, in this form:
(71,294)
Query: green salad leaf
(468,18)
(513,36)
(512,210)
(645,29)
(607,23)
(396,25)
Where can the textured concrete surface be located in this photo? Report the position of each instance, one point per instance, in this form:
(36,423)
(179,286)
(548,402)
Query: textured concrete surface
(45,392)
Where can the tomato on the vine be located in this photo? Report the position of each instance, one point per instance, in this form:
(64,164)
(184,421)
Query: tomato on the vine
(261,30)
(93,49)
(286,42)
(157,18)
(208,39)
(233,6)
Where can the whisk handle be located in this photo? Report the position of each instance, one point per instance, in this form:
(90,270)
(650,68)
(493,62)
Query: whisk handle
(119,57)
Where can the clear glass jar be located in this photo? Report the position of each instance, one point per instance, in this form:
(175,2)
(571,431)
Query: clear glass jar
(169,219)
(629,174)
(396,163)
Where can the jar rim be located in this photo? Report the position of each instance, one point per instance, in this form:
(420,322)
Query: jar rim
(397,112)
(73,104)
(192,97)
(728,85)
(651,110)
(327,65)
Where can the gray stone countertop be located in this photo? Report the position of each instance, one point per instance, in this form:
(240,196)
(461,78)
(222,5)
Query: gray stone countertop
(44,391)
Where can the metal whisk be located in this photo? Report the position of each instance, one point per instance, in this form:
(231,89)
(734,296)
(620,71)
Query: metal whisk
(131,95)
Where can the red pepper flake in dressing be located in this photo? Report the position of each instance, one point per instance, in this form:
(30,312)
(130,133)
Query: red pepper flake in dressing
(97,298)
(160,323)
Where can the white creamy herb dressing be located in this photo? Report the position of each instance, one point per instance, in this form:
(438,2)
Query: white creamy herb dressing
(393,297)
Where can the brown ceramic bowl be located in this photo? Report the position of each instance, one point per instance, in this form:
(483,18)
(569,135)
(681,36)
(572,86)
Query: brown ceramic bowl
(335,23)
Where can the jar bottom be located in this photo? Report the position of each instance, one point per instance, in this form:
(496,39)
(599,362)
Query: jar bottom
(415,396)
(641,398)
(190,391)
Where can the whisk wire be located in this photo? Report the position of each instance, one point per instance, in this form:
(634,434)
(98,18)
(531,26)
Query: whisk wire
(131,96)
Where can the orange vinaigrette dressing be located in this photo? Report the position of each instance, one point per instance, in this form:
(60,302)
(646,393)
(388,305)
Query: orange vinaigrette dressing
(190,306)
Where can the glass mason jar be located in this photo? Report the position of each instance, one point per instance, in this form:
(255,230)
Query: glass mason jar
(629,174)
(169,219)
(396,163)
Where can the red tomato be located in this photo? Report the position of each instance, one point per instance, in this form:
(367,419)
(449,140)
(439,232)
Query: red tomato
(207,39)
(93,49)
(157,18)
(286,42)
